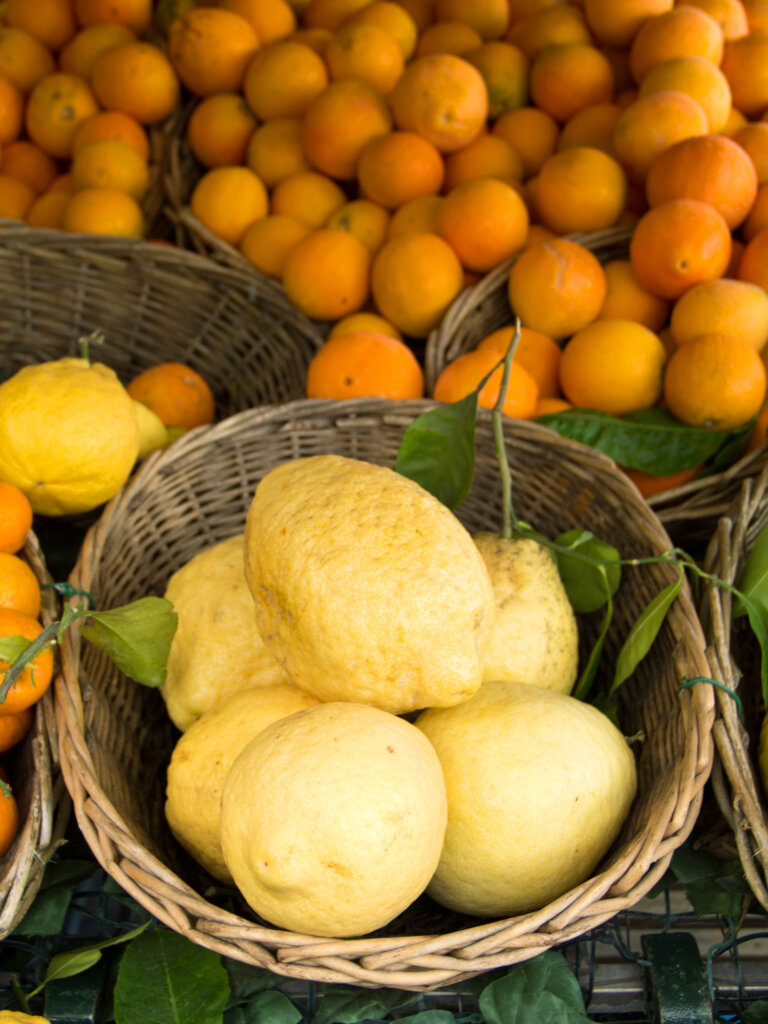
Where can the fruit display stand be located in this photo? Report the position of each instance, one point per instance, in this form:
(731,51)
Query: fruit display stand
(116,737)
(44,804)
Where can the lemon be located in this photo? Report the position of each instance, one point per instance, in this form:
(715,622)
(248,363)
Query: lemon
(153,433)
(204,754)
(535,638)
(538,786)
(367,588)
(332,819)
(68,435)
(17,1017)
(216,649)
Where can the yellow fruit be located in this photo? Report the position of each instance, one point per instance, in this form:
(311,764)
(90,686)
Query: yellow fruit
(366,587)
(68,435)
(518,838)
(332,819)
(204,754)
(153,434)
(535,639)
(216,649)
(17,1017)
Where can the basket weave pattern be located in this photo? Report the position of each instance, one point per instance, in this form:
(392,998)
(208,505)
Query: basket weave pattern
(116,737)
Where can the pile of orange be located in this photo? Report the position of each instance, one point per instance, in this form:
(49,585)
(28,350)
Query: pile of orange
(19,617)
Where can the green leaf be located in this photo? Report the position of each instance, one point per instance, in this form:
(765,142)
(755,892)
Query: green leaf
(540,991)
(644,632)
(651,440)
(753,581)
(66,965)
(429,1017)
(438,450)
(136,636)
(49,908)
(592,574)
(164,978)
(756,1013)
(272,1007)
(246,981)
(588,673)
(759,626)
(713,886)
(12,647)
(346,1005)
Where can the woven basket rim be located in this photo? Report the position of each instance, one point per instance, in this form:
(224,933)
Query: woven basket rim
(412,962)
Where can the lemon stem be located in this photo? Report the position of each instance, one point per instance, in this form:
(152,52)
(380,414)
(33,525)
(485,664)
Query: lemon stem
(84,343)
(509,520)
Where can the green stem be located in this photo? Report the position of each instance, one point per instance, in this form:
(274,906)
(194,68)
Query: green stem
(21,999)
(29,654)
(94,338)
(509,519)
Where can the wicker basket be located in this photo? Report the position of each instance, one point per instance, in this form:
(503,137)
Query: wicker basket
(735,657)
(689,512)
(116,737)
(35,774)
(154,303)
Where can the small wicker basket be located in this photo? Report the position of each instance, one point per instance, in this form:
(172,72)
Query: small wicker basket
(153,303)
(689,512)
(735,657)
(36,781)
(116,737)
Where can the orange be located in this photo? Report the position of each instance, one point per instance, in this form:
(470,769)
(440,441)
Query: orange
(219,129)
(537,353)
(626,299)
(557,25)
(114,125)
(270,19)
(487,17)
(505,69)
(455,37)
(19,588)
(29,163)
(275,150)
(24,60)
(759,435)
(580,189)
(522,8)
(698,78)
(309,197)
(753,139)
(715,380)
(615,24)
(650,125)
(712,168)
(282,79)
(103,211)
(547,406)
(724,305)
(364,364)
(531,132)
(9,820)
(15,518)
(681,32)
(87,44)
(538,233)
(47,211)
(462,376)
(266,242)
(414,279)
(592,126)
(51,21)
(136,14)
(564,79)
(364,219)
(16,197)
(421,214)
(677,244)
(210,48)
(650,484)
(394,18)
(443,98)
(330,14)
(753,265)
(36,677)
(227,200)
(730,15)
(757,218)
(367,53)
(612,365)
(745,65)
(338,123)
(419,10)
(487,156)
(11,110)
(556,287)
(484,221)
(62,183)
(13,729)
(736,120)
(398,166)
(363,322)
(326,274)
(109,163)
(138,79)
(757,15)
(176,393)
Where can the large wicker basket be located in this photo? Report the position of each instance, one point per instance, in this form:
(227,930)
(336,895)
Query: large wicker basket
(37,784)
(735,656)
(116,737)
(690,511)
(153,303)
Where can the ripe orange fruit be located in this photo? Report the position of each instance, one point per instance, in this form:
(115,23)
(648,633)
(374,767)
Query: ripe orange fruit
(484,221)
(270,19)
(339,121)
(615,24)
(614,366)
(556,287)
(16,197)
(176,393)
(219,129)
(19,588)
(282,79)
(364,52)
(51,21)
(745,65)
(29,163)
(592,126)
(103,211)
(113,125)
(9,820)
(731,15)
(546,406)
(363,322)
(135,14)
(364,364)
(537,353)
(759,436)
(80,53)
(15,518)
(275,150)
(24,60)
(700,79)
(227,200)
(487,17)
(723,305)
(266,242)
(443,98)
(309,197)
(627,299)
(505,69)
(55,107)
(414,279)
(650,125)
(421,214)
(715,380)
(563,79)
(326,274)
(35,678)
(47,211)
(463,375)
(757,219)
(13,729)
(330,14)
(753,139)
(364,219)
(109,163)
(393,17)
(454,37)
(210,48)
(138,79)
(681,32)
(554,25)
(487,156)
(580,189)
(398,166)
(650,484)
(753,265)
(711,168)
(531,132)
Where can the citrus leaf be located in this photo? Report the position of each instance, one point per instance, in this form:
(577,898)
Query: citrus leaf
(272,1007)
(66,965)
(136,636)
(347,1005)
(542,991)
(757,621)
(12,647)
(588,673)
(588,584)
(429,1017)
(753,581)
(644,632)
